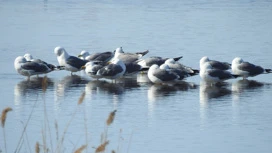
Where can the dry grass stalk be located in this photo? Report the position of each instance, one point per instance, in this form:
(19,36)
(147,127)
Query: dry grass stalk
(4,116)
(102,147)
(44,83)
(111,117)
(79,150)
(81,98)
(37,147)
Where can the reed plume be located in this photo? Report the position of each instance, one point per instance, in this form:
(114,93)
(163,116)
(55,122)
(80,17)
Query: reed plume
(4,116)
(79,150)
(111,117)
(81,98)
(37,147)
(44,83)
(102,147)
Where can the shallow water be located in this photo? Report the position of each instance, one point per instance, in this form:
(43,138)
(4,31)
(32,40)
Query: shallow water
(190,117)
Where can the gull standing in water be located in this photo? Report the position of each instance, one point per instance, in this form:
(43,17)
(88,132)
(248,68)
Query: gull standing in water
(29,68)
(92,67)
(246,69)
(114,70)
(210,75)
(71,63)
(215,64)
(160,76)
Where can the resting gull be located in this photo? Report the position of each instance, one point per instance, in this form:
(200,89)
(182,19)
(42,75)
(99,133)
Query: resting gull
(148,62)
(114,70)
(29,57)
(215,64)
(71,63)
(161,76)
(182,73)
(29,68)
(128,57)
(91,69)
(104,56)
(173,64)
(210,75)
(246,69)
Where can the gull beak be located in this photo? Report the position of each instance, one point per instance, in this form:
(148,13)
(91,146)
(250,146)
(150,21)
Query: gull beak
(83,67)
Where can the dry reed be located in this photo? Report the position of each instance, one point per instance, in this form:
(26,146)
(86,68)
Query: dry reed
(37,147)
(81,98)
(102,147)
(79,150)
(111,117)
(44,83)
(4,116)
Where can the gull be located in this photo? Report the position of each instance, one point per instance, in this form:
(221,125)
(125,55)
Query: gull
(128,57)
(70,63)
(161,76)
(104,56)
(114,70)
(173,64)
(215,64)
(29,68)
(210,75)
(29,57)
(146,63)
(246,69)
(92,67)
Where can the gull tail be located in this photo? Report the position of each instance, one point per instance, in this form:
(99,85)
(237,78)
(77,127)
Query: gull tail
(177,58)
(195,72)
(141,54)
(268,70)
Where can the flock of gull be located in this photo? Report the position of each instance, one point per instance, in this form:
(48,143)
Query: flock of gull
(118,64)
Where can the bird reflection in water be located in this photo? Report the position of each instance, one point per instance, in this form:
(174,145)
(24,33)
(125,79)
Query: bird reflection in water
(207,92)
(69,83)
(241,86)
(158,90)
(34,86)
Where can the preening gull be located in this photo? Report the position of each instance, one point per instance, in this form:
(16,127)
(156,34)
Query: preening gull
(128,57)
(160,76)
(148,62)
(114,70)
(29,68)
(246,69)
(71,63)
(215,64)
(103,56)
(210,75)
(91,69)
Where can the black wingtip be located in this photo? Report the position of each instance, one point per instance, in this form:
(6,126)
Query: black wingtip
(143,53)
(268,70)
(177,58)
(236,76)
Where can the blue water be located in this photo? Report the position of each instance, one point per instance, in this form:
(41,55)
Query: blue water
(232,117)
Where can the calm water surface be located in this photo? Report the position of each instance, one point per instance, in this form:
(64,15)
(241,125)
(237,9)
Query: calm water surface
(233,117)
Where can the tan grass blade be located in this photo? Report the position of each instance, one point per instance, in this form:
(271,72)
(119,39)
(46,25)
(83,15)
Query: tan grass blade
(37,147)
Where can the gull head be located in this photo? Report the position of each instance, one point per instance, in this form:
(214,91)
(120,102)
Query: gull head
(237,60)
(28,57)
(59,51)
